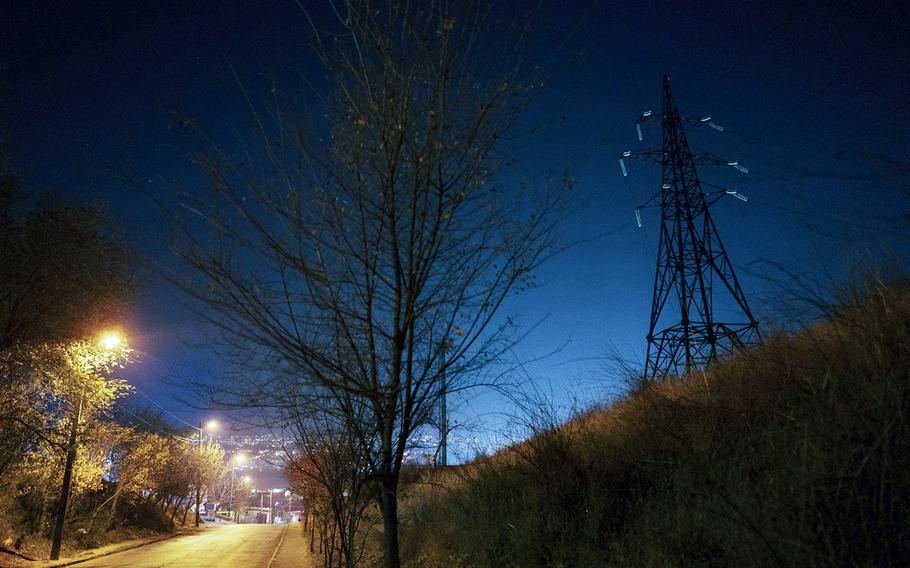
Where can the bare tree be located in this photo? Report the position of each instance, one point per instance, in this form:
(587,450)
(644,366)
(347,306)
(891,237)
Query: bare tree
(367,264)
(328,464)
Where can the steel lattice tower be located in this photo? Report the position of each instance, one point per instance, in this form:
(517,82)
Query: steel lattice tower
(692,263)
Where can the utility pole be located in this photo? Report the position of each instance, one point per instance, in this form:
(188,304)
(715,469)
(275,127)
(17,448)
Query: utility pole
(443,411)
(212,424)
(231,506)
(71,449)
(693,268)
(198,474)
(443,419)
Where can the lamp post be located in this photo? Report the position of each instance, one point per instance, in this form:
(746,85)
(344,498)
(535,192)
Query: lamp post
(211,425)
(268,515)
(269,518)
(108,342)
(67,482)
(236,460)
(247,483)
(448,345)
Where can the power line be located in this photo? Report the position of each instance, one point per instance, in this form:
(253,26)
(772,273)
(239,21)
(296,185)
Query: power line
(645,244)
(157,429)
(817,215)
(809,99)
(140,391)
(719,78)
(831,188)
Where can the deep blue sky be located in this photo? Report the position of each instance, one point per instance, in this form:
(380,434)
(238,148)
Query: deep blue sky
(814,99)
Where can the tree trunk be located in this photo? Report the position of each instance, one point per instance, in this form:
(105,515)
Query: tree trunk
(176,508)
(312,534)
(91,521)
(67,482)
(186,501)
(389,508)
(39,526)
(114,511)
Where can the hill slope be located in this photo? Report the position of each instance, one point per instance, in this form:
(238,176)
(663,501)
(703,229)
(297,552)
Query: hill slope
(794,454)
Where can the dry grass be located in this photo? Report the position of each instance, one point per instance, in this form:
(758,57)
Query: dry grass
(793,454)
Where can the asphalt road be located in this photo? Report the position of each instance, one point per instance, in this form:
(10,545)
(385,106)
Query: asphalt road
(235,546)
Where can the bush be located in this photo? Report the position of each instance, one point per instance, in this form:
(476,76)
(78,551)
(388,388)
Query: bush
(144,514)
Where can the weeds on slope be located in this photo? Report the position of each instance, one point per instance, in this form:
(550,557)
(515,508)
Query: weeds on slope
(796,453)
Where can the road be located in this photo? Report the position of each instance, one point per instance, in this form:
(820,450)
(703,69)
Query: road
(237,546)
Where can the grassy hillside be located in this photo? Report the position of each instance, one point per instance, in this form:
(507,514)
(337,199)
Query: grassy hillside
(794,454)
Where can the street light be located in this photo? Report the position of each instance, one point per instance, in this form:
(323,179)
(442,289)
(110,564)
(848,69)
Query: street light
(272,509)
(262,492)
(211,426)
(271,491)
(248,485)
(287,496)
(261,495)
(108,341)
(238,459)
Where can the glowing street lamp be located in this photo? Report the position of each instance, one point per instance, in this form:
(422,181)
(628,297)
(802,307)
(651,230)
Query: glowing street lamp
(271,509)
(110,340)
(238,459)
(107,341)
(211,426)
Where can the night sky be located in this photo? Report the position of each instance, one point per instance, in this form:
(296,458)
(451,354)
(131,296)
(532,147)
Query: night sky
(814,99)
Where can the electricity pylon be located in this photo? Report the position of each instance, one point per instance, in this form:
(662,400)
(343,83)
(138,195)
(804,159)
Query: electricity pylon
(684,334)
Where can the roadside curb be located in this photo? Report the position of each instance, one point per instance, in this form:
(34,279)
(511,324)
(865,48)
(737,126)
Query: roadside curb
(119,550)
(277,548)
